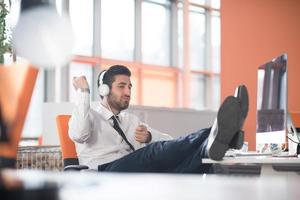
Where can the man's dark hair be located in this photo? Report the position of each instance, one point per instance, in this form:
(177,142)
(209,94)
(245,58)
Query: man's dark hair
(109,76)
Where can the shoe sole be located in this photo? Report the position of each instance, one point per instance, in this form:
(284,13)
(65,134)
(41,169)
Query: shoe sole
(228,121)
(242,94)
(237,141)
(243,97)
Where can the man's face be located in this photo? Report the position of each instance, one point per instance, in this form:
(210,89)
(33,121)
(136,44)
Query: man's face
(119,96)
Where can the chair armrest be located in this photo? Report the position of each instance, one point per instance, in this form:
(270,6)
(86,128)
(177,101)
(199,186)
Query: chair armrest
(75,167)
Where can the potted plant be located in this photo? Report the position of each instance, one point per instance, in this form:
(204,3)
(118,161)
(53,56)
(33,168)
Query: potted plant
(5,41)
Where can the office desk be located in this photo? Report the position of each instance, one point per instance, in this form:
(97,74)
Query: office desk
(94,185)
(269,165)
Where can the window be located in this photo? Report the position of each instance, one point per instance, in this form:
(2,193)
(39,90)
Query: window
(180,33)
(34,113)
(215,4)
(156,32)
(117,29)
(81,15)
(216,41)
(197,38)
(198,91)
(216,96)
(159,88)
(201,2)
(201,39)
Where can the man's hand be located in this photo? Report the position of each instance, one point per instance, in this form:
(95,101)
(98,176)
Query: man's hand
(80,82)
(142,135)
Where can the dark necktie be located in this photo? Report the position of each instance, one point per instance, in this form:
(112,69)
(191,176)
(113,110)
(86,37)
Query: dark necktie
(121,133)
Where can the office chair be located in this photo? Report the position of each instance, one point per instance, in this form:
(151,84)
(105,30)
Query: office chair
(69,154)
(17,83)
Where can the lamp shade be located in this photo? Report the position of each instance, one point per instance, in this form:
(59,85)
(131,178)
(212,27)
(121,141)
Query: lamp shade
(43,37)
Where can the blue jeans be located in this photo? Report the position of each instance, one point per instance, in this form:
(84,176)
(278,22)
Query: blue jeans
(182,155)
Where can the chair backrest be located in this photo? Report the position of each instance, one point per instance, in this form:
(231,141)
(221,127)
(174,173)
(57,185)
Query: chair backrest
(17,84)
(67,145)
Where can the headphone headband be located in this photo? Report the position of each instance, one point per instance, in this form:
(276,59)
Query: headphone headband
(103,88)
(100,81)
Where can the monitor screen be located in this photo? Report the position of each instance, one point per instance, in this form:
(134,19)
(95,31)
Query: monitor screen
(272,102)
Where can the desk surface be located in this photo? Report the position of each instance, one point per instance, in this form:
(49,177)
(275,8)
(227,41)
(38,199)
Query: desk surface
(255,160)
(263,165)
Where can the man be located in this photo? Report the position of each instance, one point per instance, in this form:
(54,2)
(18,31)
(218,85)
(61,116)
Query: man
(110,140)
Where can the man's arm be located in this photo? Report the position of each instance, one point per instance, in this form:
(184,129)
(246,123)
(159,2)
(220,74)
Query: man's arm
(158,136)
(146,134)
(80,123)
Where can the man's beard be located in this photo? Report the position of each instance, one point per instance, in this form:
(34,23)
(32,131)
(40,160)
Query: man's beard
(118,105)
(122,105)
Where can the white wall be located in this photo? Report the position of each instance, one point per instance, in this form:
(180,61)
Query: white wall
(175,122)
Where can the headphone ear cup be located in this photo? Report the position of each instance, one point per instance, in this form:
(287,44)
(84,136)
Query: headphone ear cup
(103,90)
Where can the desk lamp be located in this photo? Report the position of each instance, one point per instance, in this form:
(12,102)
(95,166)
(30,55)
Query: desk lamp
(45,39)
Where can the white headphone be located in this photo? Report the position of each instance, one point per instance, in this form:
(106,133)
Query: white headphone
(103,88)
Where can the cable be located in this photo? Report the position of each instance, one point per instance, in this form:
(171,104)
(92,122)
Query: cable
(292,140)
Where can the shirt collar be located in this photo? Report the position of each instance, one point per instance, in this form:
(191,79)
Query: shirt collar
(107,114)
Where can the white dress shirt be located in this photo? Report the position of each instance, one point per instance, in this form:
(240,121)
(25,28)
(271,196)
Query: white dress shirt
(96,141)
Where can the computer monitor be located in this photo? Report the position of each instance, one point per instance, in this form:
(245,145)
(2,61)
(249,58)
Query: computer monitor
(272,102)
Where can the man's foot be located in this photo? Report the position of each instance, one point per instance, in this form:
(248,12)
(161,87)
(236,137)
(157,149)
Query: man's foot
(241,93)
(224,129)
